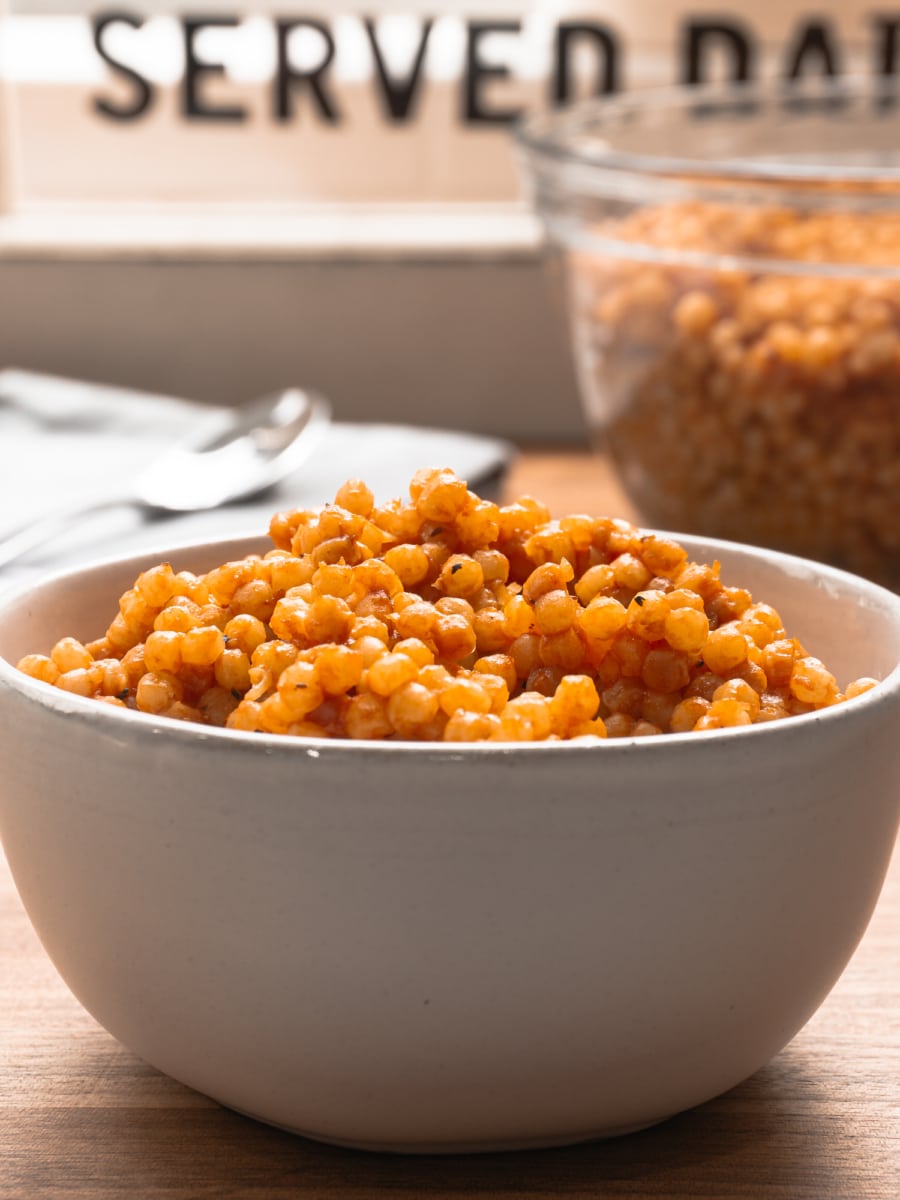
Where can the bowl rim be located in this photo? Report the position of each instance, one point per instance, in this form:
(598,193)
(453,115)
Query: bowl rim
(149,726)
(566,182)
(548,134)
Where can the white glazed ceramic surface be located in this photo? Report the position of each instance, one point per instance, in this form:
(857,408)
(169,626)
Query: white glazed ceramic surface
(444,948)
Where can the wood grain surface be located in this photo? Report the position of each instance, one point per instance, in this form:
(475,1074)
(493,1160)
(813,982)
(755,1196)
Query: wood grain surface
(81,1117)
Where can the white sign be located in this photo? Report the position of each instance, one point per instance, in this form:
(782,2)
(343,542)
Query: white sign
(383,103)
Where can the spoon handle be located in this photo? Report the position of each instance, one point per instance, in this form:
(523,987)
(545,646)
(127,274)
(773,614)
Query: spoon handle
(43,529)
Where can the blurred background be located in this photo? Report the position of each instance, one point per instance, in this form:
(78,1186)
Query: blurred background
(212,201)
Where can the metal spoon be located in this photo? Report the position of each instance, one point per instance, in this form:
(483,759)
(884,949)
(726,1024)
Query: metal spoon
(266,441)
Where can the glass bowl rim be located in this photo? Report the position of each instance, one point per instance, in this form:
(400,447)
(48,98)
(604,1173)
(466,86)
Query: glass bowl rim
(548,136)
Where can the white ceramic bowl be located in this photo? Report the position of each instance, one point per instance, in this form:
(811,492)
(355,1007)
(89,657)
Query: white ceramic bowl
(427,948)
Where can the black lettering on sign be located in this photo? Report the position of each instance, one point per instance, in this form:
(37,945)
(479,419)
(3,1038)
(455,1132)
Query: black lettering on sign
(605,41)
(887,33)
(192,105)
(701,38)
(144,92)
(399,97)
(288,79)
(886,46)
(814,44)
(477,71)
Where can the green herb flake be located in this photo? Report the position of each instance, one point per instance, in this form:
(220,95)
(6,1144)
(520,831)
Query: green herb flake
(237,695)
(123,695)
(456,567)
(639,600)
(300,685)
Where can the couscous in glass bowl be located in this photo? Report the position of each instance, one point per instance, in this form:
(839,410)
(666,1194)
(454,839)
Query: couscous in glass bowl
(733,258)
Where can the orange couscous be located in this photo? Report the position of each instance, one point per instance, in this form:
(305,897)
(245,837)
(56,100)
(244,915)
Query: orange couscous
(746,388)
(446,617)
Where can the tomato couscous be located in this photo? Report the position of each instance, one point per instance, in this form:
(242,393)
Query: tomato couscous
(446,617)
(745,367)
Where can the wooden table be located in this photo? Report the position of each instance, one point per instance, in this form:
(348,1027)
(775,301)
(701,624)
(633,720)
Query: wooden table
(82,1117)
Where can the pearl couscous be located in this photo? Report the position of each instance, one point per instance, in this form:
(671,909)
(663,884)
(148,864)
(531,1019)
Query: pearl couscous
(745,368)
(446,617)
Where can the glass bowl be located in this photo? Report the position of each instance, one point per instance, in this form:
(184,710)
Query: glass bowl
(733,265)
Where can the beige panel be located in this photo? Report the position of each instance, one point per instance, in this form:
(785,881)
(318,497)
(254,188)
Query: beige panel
(477,345)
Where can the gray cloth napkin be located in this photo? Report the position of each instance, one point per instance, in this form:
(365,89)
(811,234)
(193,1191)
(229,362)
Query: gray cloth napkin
(63,442)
